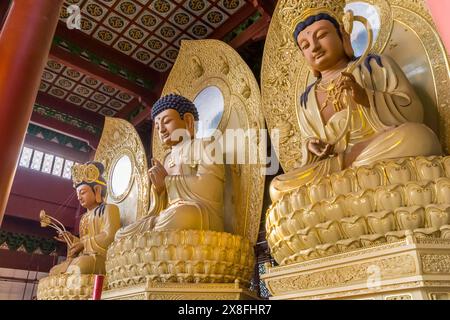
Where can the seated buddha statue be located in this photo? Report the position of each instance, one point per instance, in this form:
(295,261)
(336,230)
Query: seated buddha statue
(386,115)
(87,254)
(187,188)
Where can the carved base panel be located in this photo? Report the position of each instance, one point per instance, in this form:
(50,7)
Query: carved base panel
(188,256)
(67,287)
(181,291)
(412,269)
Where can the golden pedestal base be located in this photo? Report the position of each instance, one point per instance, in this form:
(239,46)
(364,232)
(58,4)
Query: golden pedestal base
(181,291)
(67,287)
(415,268)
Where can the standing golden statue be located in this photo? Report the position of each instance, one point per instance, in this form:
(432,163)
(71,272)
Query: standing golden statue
(187,191)
(386,114)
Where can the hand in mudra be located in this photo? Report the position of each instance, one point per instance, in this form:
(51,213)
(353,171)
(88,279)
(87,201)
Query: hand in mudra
(64,236)
(320,148)
(157,174)
(355,91)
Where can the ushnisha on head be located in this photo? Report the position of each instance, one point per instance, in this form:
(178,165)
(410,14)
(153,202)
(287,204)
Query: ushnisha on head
(174,117)
(322,32)
(90,185)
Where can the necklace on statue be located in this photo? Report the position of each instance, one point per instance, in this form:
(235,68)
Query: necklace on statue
(333,92)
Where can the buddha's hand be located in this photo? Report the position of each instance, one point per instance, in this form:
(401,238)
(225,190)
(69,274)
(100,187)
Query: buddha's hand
(75,249)
(354,89)
(65,237)
(319,148)
(157,174)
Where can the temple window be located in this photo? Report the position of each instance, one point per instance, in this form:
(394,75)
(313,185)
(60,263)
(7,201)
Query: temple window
(46,163)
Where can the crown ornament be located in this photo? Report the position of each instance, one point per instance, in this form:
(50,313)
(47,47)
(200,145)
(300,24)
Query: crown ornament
(293,12)
(87,173)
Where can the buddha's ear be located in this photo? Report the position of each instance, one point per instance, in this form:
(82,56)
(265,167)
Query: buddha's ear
(190,121)
(347,42)
(98,194)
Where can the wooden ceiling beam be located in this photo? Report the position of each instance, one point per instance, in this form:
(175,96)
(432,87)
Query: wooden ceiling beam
(78,63)
(108,53)
(268,6)
(70,109)
(65,128)
(254,32)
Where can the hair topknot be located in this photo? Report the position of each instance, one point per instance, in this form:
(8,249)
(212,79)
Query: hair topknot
(176,102)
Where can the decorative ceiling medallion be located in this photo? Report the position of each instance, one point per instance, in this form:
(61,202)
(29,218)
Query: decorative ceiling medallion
(105,35)
(181,18)
(136,34)
(143,56)
(197,7)
(148,21)
(48,76)
(214,18)
(43,86)
(57,92)
(128,8)
(167,31)
(91,106)
(65,83)
(84,91)
(154,44)
(162,7)
(231,6)
(161,65)
(75,99)
(116,22)
(171,54)
(87,26)
(125,46)
(108,90)
(117,105)
(107,112)
(91,82)
(54,66)
(124,97)
(63,14)
(94,10)
(200,30)
(100,98)
(72,74)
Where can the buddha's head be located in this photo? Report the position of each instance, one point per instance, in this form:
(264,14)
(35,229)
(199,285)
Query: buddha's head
(89,184)
(321,36)
(174,118)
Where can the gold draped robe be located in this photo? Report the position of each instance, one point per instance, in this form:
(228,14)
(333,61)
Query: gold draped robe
(192,200)
(96,233)
(392,126)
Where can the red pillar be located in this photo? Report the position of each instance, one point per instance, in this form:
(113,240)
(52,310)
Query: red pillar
(25,41)
(439,10)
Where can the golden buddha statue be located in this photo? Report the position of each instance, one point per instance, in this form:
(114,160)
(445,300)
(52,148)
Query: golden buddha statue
(350,119)
(187,191)
(87,254)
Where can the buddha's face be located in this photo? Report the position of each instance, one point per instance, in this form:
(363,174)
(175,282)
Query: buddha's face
(321,45)
(86,196)
(171,127)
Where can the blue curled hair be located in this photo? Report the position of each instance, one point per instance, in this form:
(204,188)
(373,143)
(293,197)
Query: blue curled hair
(312,19)
(174,101)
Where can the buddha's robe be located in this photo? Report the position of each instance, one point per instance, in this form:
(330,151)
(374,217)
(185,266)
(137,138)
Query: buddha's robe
(192,199)
(392,126)
(97,230)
